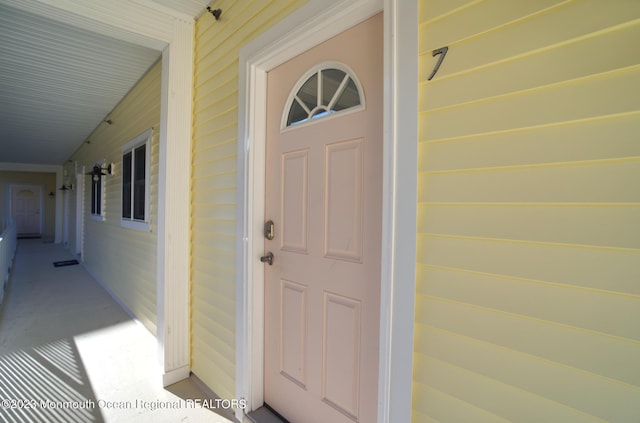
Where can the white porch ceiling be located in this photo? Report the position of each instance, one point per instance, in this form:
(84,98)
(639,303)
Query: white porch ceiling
(59,81)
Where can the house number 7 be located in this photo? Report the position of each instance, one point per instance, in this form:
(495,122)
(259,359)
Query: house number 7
(442,52)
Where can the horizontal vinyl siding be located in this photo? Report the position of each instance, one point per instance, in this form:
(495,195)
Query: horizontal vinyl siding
(528,301)
(123,259)
(214,183)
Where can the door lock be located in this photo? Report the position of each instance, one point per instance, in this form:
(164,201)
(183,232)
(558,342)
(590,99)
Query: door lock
(269,232)
(268,258)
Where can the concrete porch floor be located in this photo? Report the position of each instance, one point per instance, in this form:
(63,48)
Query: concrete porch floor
(70,353)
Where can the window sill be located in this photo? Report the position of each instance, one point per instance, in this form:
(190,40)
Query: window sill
(97,217)
(137,225)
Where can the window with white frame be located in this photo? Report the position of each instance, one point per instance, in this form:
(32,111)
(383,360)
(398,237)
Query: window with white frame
(136,172)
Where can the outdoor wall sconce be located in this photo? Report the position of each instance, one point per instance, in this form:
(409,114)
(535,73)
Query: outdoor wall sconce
(66,187)
(216,13)
(99,171)
(52,194)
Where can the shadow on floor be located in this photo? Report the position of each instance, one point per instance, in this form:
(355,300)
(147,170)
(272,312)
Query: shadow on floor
(47,383)
(42,375)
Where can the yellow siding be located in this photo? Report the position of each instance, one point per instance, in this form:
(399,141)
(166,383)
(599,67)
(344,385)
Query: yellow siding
(213,208)
(124,259)
(528,293)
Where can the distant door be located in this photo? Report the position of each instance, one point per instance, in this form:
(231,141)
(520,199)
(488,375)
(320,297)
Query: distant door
(25,209)
(323,194)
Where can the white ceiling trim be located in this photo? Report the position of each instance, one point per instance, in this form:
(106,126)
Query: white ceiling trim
(152,4)
(22,167)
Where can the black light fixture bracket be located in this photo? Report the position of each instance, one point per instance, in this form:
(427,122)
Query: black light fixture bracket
(216,13)
(100,171)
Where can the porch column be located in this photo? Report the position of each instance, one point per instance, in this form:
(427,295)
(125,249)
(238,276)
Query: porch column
(173,204)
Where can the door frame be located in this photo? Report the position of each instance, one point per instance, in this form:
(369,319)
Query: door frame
(41,212)
(79,212)
(57,170)
(66,219)
(306,27)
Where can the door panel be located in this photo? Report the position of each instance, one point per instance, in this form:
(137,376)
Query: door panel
(323,187)
(343,200)
(25,209)
(295,201)
(294,331)
(341,355)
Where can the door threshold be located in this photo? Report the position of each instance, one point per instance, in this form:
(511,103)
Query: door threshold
(29,236)
(266,414)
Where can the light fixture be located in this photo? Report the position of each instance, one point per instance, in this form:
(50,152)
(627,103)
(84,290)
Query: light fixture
(52,194)
(66,187)
(99,171)
(216,13)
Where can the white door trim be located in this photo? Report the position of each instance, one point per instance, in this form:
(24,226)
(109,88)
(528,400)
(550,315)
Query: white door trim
(399,216)
(79,187)
(67,210)
(308,26)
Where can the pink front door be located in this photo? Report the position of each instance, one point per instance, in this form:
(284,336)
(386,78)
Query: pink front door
(323,194)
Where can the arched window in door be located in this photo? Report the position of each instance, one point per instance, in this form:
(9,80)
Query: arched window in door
(328,89)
